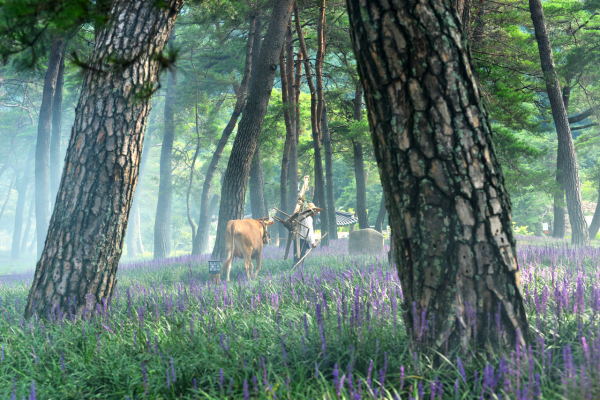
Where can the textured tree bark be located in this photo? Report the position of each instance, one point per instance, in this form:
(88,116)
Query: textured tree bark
(381,215)
(444,188)
(289,137)
(559,225)
(28,226)
(316,106)
(78,266)
(22,187)
(569,173)
(257,183)
(204,219)
(162,237)
(329,175)
(42,147)
(359,165)
(134,229)
(56,130)
(233,191)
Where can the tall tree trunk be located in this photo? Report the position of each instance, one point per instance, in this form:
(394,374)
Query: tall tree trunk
(569,173)
(214,202)
(28,226)
(381,215)
(162,222)
(359,165)
(257,183)
(204,219)
(81,255)
(22,186)
(293,165)
(329,175)
(559,225)
(42,147)
(233,191)
(56,130)
(289,137)
(133,232)
(444,188)
(316,106)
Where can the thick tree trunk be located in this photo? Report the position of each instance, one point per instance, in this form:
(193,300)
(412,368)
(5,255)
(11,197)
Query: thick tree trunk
(289,137)
(444,188)
(22,187)
(162,222)
(381,215)
(316,106)
(257,183)
(559,225)
(214,202)
(233,191)
(134,229)
(204,219)
(81,255)
(329,174)
(569,173)
(28,226)
(42,147)
(56,130)
(359,165)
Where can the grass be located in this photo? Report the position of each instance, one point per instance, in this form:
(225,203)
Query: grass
(330,330)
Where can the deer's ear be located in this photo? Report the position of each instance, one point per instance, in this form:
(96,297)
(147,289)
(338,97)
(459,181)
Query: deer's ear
(269,223)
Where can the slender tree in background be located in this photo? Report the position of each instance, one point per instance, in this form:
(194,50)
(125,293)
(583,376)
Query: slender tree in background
(81,255)
(316,106)
(22,187)
(42,150)
(233,191)
(257,183)
(56,130)
(595,224)
(162,237)
(359,164)
(381,215)
(289,131)
(559,224)
(201,241)
(28,225)
(8,194)
(444,188)
(214,202)
(567,169)
(133,237)
(293,188)
(329,174)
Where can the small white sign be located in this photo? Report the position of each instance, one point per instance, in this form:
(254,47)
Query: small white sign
(214,267)
(545,226)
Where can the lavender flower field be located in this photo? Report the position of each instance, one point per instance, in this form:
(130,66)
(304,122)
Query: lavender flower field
(330,330)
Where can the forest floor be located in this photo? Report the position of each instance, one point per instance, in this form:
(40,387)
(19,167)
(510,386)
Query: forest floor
(329,330)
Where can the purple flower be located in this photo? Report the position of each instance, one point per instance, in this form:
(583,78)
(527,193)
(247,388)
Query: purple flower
(461,370)
(172,370)
(316,371)
(246,393)
(221,378)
